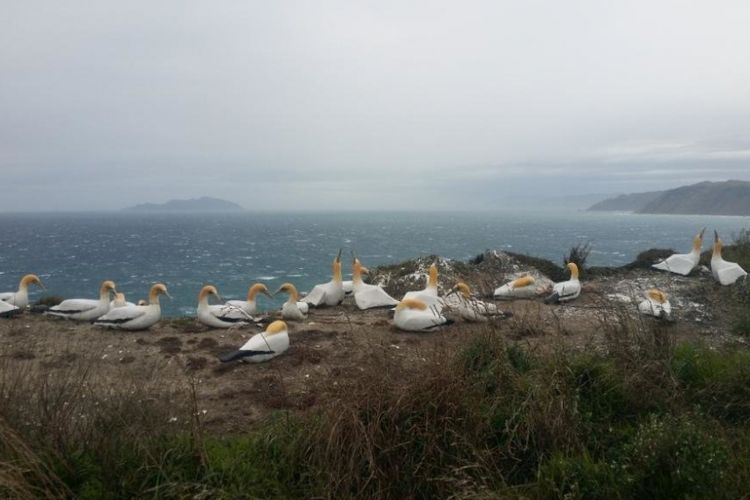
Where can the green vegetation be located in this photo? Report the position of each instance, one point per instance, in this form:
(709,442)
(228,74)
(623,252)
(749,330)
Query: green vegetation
(645,418)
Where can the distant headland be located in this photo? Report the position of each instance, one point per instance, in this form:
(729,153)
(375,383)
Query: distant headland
(704,198)
(204,204)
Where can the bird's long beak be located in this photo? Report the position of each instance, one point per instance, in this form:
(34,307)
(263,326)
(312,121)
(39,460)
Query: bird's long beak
(276,292)
(267,293)
(702,231)
(338,256)
(364,270)
(167,294)
(716,235)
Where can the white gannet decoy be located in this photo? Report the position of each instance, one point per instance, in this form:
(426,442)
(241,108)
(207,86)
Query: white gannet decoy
(368,296)
(136,317)
(7,310)
(656,304)
(683,263)
(459,300)
(725,272)
(430,293)
(250,306)
(331,293)
(566,290)
(85,309)
(521,288)
(20,298)
(262,346)
(291,310)
(413,315)
(119,301)
(219,315)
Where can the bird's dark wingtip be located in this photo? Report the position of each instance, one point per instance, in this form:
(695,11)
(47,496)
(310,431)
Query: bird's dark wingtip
(552,298)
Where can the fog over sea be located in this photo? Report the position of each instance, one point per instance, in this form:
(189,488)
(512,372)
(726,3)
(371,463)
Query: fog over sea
(74,252)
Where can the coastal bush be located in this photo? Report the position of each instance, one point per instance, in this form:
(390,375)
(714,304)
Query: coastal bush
(578,254)
(579,476)
(675,457)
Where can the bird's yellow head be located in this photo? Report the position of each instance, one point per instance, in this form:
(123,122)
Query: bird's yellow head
(411,304)
(698,240)
(336,268)
(432,280)
(657,295)
(31,279)
(717,244)
(206,291)
(156,290)
(573,268)
(289,289)
(107,287)
(463,289)
(522,282)
(257,288)
(276,327)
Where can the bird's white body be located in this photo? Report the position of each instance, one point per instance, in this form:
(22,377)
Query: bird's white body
(429,295)
(726,273)
(328,294)
(7,310)
(652,307)
(249,307)
(413,315)
(566,291)
(521,288)
(20,298)
(348,287)
(131,317)
(84,309)
(218,315)
(135,317)
(290,310)
(656,304)
(262,346)
(120,302)
(470,308)
(683,263)
(221,316)
(679,263)
(368,296)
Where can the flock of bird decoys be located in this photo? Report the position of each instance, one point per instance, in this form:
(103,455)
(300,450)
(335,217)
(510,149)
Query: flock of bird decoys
(418,311)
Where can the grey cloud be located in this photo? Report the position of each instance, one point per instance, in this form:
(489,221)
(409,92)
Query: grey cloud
(383,105)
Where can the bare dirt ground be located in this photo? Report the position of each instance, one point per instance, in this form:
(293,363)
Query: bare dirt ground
(335,344)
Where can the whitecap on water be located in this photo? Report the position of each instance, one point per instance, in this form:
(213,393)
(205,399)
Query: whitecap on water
(265,278)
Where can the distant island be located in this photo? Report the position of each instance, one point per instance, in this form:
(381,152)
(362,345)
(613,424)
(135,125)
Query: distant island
(204,204)
(704,198)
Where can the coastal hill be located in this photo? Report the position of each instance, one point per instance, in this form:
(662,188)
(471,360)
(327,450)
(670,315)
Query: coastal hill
(705,198)
(204,204)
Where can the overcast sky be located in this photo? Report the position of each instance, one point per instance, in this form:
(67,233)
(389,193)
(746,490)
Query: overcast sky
(368,105)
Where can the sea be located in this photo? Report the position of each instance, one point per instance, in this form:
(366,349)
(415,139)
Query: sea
(74,252)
